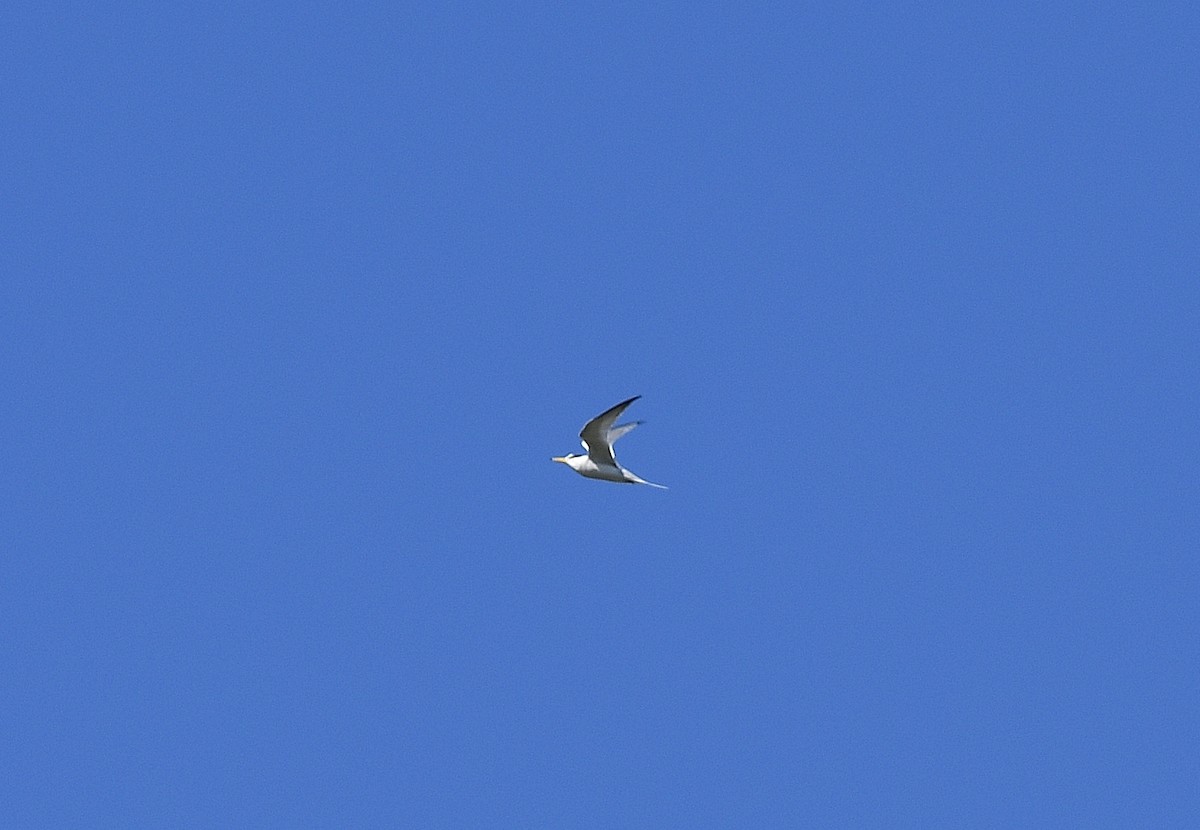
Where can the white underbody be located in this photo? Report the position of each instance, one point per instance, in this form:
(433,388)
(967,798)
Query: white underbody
(588,468)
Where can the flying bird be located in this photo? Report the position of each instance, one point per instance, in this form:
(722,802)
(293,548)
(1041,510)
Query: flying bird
(598,436)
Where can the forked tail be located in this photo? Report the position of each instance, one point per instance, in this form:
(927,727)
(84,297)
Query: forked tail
(634,479)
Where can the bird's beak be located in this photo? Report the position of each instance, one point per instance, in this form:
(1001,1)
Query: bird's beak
(559,459)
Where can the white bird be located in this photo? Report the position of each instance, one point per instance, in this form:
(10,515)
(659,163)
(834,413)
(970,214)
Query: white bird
(598,436)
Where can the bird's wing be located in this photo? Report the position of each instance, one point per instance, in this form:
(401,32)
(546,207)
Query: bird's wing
(617,431)
(595,434)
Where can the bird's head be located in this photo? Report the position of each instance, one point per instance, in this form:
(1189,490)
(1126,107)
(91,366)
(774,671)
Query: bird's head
(566,459)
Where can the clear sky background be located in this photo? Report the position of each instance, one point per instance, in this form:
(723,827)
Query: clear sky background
(298,300)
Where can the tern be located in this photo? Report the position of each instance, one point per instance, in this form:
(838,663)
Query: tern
(598,436)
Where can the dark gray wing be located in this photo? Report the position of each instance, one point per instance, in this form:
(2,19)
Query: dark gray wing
(594,435)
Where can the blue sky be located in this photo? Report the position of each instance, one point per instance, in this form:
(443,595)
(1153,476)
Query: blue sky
(299,301)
